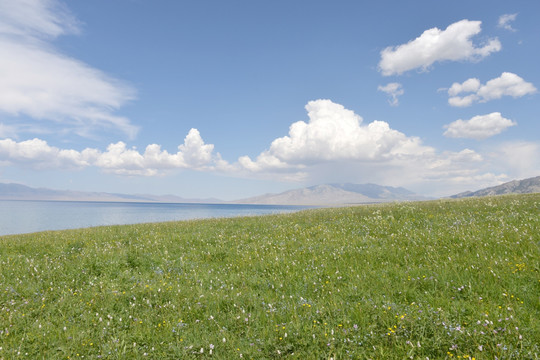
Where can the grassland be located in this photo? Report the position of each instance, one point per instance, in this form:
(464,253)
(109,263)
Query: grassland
(438,280)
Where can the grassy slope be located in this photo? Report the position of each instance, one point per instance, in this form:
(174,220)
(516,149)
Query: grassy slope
(441,279)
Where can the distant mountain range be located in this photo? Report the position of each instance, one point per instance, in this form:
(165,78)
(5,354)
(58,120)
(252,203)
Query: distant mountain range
(22,192)
(336,194)
(526,186)
(329,194)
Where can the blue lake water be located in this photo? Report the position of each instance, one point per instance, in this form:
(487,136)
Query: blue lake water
(17,217)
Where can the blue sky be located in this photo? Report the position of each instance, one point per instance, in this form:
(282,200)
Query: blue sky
(232,99)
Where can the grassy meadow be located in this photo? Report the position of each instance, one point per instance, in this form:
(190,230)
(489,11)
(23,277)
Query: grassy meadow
(446,279)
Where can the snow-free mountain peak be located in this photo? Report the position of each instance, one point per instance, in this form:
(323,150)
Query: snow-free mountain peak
(336,194)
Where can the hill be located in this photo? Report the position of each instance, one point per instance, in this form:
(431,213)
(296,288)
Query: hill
(526,186)
(336,194)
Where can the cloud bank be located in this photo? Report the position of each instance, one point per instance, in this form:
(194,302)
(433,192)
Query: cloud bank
(435,45)
(117,159)
(41,83)
(479,127)
(508,84)
(333,145)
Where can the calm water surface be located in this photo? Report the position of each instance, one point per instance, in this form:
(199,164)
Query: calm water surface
(17,217)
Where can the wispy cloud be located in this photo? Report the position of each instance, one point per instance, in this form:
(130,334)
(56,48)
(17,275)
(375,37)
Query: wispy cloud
(521,159)
(508,84)
(435,45)
(7,131)
(38,81)
(36,19)
(394,90)
(478,127)
(505,20)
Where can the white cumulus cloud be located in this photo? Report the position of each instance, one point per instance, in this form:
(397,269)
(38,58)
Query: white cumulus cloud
(36,153)
(508,84)
(470,85)
(435,45)
(192,154)
(38,81)
(334,133)
(393,90)
(117,158)
(478,127)
(334,145)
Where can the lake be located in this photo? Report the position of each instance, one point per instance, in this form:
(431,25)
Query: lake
(17,217)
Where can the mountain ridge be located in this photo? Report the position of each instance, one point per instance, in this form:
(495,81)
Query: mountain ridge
(336,194)
(326,194)
(525,186)
(318,195)
(12,191)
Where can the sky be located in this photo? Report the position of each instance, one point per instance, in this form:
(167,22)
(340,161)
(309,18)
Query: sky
(232,99)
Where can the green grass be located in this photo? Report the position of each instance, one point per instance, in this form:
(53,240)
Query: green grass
(441,279)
